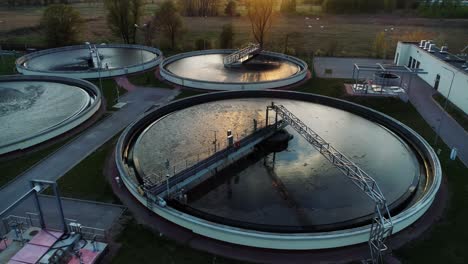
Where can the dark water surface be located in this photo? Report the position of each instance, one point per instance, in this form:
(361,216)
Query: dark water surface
(301,187)
(211,68)
(77,60)
(28,108)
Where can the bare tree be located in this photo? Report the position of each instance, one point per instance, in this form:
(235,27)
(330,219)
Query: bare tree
(261,14)
(122,16)
(201,7)
(168,20)
(62,25)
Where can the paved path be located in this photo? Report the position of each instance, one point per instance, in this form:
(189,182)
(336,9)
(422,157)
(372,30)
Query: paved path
(450,131)
(343,67)
(64,159)
(123,82)
(87,213)
(420,96)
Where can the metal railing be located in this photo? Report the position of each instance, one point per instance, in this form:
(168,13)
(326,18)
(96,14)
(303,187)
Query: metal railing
(175,166)
(242,54)
(32,220)
(176,178)
(94,53)
(382,225)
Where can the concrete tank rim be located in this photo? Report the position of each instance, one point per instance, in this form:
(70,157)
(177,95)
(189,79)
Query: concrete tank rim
(400,219)
(166,74)
(85,85)
(20,61)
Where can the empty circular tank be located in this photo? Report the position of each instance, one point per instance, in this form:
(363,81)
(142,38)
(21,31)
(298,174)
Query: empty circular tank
(293,199)
(205,70)
(34,109)
(79,61)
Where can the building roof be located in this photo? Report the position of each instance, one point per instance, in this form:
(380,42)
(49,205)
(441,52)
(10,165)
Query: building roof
(455,61)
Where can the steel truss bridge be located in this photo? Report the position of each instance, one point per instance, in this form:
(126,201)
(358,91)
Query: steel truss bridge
(382,225)
(242,55)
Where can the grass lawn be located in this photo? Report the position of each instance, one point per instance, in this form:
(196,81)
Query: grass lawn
(109,90)
(453,110)
(141,245)
(9,169)
(147,79)
(352,35)
(7,65)
(86,180)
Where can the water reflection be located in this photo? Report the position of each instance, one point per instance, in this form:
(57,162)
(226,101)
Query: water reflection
(211,68)
(301,187)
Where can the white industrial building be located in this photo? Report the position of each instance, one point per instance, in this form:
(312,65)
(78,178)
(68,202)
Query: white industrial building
(447,73)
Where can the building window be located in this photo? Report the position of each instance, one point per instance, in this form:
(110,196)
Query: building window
(418,64)
(437,81)
(410,62)
(396,58)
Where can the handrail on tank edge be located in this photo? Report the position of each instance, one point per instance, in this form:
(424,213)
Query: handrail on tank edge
(304,66)
(21,60)
(425,150)
(88,86)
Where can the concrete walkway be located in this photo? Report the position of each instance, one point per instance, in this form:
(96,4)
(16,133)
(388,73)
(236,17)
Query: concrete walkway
(65,158)
(342,68)
(450,131)
(420,95)
(87,213)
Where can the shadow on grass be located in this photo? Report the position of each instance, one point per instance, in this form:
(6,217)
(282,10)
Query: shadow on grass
(142,245)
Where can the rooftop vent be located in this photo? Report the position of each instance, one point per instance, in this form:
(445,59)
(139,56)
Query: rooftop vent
(431,48)
(444,49)
(422,43)
(426,45)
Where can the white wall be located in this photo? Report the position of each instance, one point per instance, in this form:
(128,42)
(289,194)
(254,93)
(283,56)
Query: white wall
(433,66)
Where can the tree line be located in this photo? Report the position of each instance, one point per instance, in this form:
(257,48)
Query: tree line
(62,23)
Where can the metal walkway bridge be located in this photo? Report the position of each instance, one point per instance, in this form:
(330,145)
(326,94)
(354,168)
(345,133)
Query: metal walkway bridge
(96,59)
(162,188)
(382,225)
(243,55)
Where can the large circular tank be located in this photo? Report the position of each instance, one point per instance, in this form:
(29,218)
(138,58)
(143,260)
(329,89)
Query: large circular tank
(77,61)
(292,199)
(34,109)
(205,70)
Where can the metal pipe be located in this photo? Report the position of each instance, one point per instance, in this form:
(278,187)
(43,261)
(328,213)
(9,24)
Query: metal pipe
(38,205)
(60,206)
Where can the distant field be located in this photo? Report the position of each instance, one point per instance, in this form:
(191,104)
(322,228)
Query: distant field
(352,35)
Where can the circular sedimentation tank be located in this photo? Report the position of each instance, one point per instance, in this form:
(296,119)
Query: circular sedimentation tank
(77,61)
(291,199)
(205,70)
(34,109)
